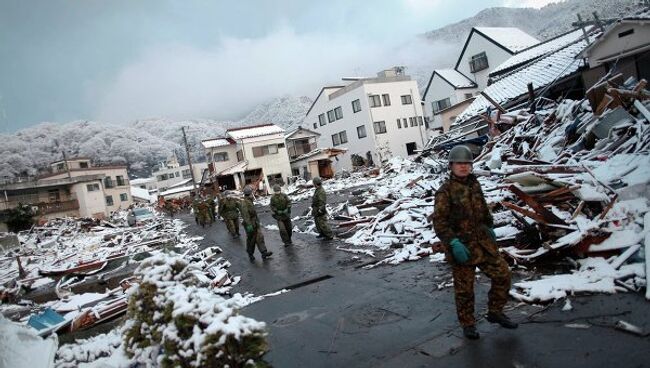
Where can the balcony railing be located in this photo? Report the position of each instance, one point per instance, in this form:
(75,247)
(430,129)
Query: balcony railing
(300,149)
(54,207)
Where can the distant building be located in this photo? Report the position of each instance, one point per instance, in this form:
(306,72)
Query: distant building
(115,182)
(171,174)
(485,48)
(306,159)
(248,155)
(370,118)
(74,188)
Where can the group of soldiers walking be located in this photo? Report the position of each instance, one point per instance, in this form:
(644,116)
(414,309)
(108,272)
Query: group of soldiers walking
(461,219)
(230,209)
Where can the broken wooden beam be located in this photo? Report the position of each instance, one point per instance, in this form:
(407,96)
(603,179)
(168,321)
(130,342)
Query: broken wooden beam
(547,215)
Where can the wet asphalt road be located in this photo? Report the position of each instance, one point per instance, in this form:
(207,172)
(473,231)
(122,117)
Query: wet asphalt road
(340,315)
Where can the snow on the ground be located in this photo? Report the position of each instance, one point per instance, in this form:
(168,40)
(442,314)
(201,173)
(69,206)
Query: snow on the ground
(21,347)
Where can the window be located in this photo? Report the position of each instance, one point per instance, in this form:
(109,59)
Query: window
(380,127)
(399,124)
(410,148)
(60,166)
(407,100)
(109,200)
(478,62)
(411,123)
(374,101)
(339,138)
(53,195)
(420,121)
(280,145)
(271,149)
(361,131)
(335,139)
(331,117)
(626,33)
(220,156)
(240,156)
(124,197)
(386,99)
(468,96)
(120,180)
(338,112)
(187,174)
(315,126)
(404,123)
(83,165)
(108,182)
(356,105)
(321,120)
(178,174)
(440,105)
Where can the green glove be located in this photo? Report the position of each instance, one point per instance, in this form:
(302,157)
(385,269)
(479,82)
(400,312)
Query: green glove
(249,228)
(491,233)
(459,251)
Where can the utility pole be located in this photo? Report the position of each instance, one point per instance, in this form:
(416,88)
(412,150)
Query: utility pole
(67,167)
(189,159)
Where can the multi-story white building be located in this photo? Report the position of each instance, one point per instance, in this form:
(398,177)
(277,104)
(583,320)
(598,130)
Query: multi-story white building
(115,183)
(369,117)
(248,155)
(485,48)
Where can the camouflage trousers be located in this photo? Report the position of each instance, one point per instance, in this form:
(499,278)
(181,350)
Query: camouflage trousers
(322,227)
(286,229)
(255,238)
(233,226)
(496,269)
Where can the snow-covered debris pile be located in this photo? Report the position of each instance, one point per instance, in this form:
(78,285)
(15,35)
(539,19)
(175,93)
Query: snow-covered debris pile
(570,179)
(175,319)
(405,192)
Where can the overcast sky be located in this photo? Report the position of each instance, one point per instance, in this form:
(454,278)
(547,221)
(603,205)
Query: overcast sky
(118,61)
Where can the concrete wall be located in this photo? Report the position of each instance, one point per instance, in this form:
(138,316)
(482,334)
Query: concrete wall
(91,204)
(231,150)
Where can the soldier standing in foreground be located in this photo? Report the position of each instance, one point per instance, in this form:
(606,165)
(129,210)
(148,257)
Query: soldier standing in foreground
(229,210)
(253,227)
(281,208)
(463,222)
(319,211)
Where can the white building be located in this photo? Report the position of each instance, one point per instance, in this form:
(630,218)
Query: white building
(171,174)
(115,183)
(248,155)
(485,48)
(381,116)
(307,160)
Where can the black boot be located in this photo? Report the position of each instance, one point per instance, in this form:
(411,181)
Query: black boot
(251,257)
(471,333)
(267,255)
(501,319)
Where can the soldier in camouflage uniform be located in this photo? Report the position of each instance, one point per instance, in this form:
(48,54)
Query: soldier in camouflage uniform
(229,210)
(281,208)
(319,211)
(204,213)
(195,208)
(253,227)
(211,208)
(463,222)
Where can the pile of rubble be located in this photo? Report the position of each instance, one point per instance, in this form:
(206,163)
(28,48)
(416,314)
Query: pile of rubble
(567,181)
(71,274)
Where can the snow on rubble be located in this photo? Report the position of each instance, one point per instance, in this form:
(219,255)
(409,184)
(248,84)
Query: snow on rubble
(72,275)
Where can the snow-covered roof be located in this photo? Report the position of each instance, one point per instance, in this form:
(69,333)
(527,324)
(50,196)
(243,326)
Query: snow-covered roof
(514,39)
(541,73)
(300,129)
(330,152)
(216,142)
(254,131)
(141,193)
(178,190)
(538,50)
(238,167)
(142,181)
(455,78)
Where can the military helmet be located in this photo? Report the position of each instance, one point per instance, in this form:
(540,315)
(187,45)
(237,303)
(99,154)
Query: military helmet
(276,188)
(317,180)
(460,154)
(248,190)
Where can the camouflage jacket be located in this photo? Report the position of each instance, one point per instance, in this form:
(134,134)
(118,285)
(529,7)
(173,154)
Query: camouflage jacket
(280,202)
(248,213)
(461,212)
(229,208)
(318,202)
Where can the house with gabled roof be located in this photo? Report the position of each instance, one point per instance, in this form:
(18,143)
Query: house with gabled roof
(484,49)
(250,155)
